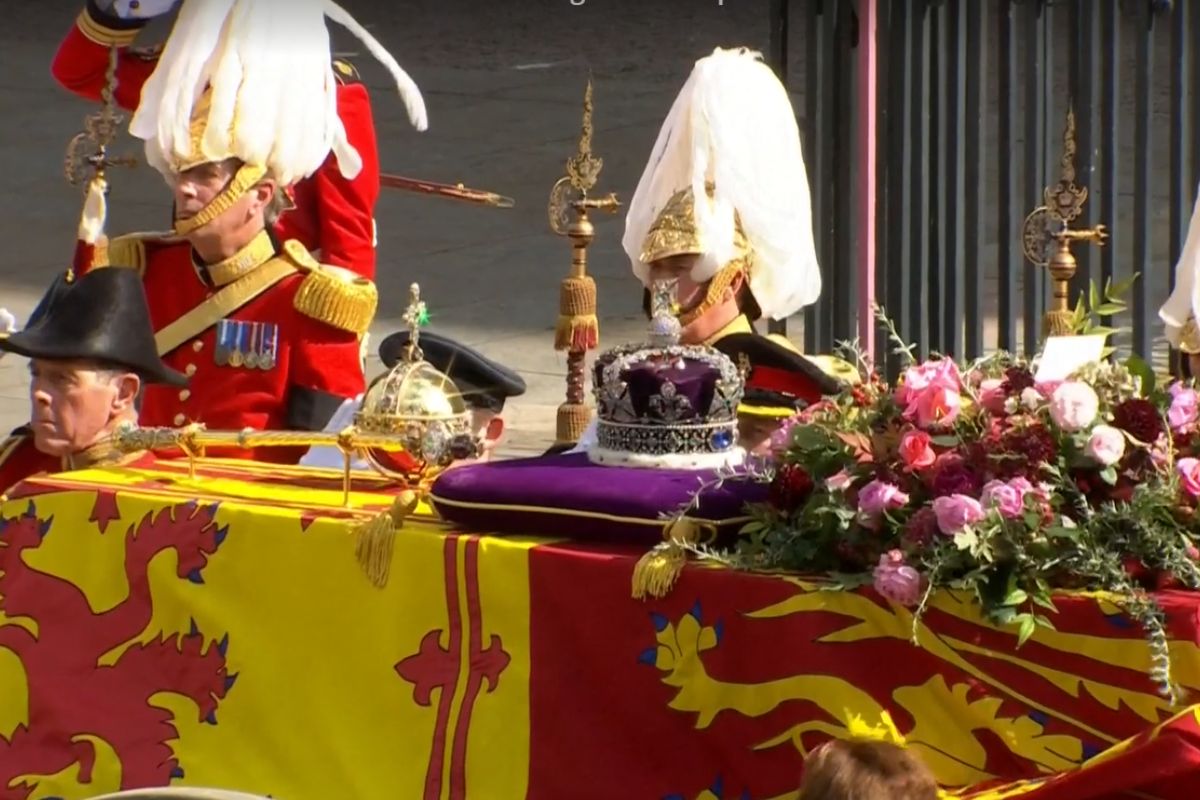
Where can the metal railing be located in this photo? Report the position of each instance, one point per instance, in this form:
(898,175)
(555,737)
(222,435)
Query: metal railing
(971,103)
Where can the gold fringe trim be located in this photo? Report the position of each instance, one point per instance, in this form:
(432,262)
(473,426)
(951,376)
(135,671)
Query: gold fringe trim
(375,539)
(577,333)
(102,34)
(123,251)
(338,298)
(655,573)
(246,177)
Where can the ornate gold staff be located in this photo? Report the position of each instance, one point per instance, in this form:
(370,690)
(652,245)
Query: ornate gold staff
(578,329)
(80,161)
(1047,236)
(194,440)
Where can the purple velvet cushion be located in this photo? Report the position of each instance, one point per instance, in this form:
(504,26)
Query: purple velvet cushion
(568,496)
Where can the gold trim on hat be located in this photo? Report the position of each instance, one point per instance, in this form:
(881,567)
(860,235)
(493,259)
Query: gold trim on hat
(246,178)
(675,233)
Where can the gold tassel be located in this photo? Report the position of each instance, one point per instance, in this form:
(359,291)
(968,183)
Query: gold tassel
(656,572)
(577,328)
(577,332)
(375,539)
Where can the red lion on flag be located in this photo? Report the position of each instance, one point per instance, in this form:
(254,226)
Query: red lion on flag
(91,673)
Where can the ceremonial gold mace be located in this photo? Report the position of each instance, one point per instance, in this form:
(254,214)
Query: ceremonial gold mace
(1047,236)
(578,329)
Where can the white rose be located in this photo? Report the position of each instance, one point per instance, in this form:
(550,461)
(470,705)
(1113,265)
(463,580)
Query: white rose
(1106,445)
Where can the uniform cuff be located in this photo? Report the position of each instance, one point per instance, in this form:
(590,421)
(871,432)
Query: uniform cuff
(310,409)
(106,28)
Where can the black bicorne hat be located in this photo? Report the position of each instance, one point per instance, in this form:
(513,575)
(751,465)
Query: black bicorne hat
(102,316)
(483,382)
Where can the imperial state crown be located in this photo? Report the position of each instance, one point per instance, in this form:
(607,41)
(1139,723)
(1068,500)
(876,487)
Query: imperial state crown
(666,405)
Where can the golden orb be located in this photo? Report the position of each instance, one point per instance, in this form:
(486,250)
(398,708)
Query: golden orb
(421,406)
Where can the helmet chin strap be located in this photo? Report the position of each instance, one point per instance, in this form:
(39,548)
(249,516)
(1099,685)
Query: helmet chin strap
(246,178)
(715,295)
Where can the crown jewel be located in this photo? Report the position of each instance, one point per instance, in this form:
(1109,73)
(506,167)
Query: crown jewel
(663,404)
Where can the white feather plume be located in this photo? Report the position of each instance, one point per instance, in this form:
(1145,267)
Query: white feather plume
(273,94)
(733,124)
(409,93)
(1184,301)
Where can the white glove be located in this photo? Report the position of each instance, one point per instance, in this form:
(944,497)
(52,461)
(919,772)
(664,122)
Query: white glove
(142,9)
(8,323)
(327,455)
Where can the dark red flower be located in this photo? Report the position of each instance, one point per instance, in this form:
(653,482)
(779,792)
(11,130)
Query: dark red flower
(1016,380)
(790,488)
(921,528)
(1139,418)
(956,477)
(1022,451)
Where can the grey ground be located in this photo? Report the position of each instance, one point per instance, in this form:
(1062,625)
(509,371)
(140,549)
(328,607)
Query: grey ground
(503,81)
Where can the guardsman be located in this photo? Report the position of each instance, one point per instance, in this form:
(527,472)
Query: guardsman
(331,214)
(723,204)
(91,351)
(269,336)
(723,207)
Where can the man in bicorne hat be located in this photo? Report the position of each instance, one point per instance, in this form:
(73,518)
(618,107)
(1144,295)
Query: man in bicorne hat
(269,336)
(485,386)
(333,215)
(91,351)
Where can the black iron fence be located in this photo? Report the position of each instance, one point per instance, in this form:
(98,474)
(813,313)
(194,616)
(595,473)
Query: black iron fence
(972,101)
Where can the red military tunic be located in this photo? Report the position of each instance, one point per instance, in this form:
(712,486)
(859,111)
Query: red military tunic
(19,460)
(283,360)
(333,217)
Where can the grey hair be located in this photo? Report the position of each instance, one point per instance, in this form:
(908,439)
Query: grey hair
(278,204)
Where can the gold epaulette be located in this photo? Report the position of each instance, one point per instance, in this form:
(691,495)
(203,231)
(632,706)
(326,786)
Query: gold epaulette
(333,295)
(117,33)
(128,250)
(345,72)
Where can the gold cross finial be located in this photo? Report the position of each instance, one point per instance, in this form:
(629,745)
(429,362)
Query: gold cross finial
(415,316)
(100,129)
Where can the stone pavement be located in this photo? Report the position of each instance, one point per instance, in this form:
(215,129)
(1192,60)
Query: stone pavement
(503,81)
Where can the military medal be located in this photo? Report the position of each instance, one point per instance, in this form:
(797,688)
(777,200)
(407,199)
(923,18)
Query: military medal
(223,348)
(250,351)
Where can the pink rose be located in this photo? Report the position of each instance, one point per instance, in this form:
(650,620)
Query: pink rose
(839,482)
(896,580)
(1189,475)
(1074,405)
(991,395)
(934,406)
(1184,409)
(943,372)
(956,512)
(1007,498)
(876,498)
(916,450)
(1106,445)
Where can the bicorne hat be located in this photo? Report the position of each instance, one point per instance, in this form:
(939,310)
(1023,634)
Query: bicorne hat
(102,316)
